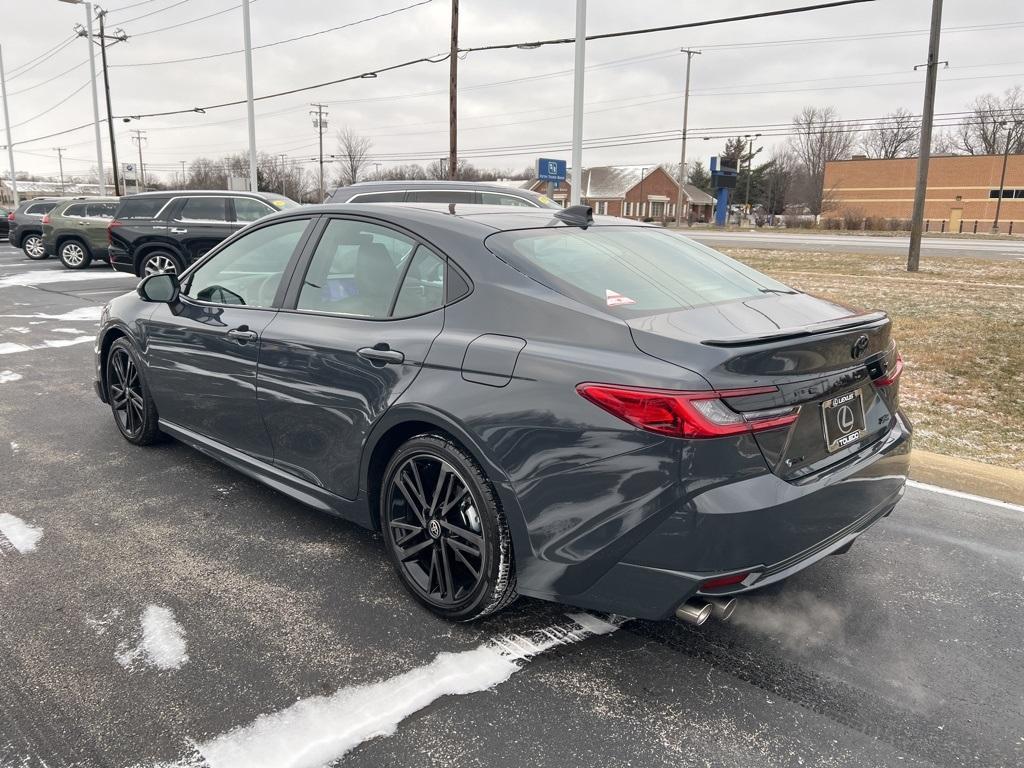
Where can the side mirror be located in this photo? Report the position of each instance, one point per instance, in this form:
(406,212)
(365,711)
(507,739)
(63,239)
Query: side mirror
(161,289)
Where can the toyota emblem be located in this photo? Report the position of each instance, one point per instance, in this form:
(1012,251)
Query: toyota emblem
(859,346)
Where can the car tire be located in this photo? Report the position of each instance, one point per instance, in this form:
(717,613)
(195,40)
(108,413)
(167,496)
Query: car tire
(450,546)
(128,394)
(74,255)
(159,261)
(33,247)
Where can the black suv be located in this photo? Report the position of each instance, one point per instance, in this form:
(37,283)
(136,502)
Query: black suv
(166,231)
(26,225)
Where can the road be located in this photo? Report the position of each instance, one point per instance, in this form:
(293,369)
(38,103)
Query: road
(999,250)
(155,602)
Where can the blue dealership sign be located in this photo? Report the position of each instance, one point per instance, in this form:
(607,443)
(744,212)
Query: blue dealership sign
(550,170)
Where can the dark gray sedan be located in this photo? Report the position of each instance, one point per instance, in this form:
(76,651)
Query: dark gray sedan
(524,401)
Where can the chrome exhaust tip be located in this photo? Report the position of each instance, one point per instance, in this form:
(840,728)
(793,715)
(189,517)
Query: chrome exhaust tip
(694,612)
(721,607)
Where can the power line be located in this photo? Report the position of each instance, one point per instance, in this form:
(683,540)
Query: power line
(50,109)
(42,58)
(154,13)
(271,45)
(49,80)
(190,21)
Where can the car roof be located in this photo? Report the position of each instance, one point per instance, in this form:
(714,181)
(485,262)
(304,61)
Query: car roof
(365,186)
(203,193)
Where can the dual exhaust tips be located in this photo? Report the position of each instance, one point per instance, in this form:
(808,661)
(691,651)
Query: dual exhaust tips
(700,609)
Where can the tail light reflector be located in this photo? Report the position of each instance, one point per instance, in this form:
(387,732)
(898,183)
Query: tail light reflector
(110,225)
(892,375)
(10,216)
(46,218)
(687,414)
(725,581)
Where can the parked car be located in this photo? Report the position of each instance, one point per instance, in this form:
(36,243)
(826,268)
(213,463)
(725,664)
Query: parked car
(76,230)
(166,231)
(591,411)
(26,225)
(5,226)
(465,192)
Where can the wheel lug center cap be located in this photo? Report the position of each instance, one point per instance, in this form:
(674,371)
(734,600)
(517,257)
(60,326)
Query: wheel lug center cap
(434,529)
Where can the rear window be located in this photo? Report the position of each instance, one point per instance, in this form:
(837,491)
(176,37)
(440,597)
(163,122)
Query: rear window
(38,209)
(630,270)
(378,197)
(141,208)
(439,196)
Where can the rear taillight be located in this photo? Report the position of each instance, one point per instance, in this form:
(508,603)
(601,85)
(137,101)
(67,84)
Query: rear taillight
(110,225)
(725,581)
(10,216)
(892,375)
(46,218)
(687,414)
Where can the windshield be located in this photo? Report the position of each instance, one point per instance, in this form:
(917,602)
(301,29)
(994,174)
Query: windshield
(630,270)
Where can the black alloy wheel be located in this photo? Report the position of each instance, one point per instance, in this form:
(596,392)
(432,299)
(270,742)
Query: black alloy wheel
(129,398)
(445,531)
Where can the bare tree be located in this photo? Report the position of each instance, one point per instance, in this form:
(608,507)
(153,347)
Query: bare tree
(204,173)
(353,155)
(895,135)
(982,133)
(819,137)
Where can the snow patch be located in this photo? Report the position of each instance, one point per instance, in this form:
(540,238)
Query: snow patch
(75,315)
(316,731)
(66,330)
(162,645)
(45,276)
(8,376)
(15,447)
(18,329)
(10,348)
(22,536)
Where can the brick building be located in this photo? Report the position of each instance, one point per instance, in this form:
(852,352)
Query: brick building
(634,192)
(962,190)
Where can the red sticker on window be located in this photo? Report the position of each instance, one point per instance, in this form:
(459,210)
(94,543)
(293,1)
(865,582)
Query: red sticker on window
(613,299)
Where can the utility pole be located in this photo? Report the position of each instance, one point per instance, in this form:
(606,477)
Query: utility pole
(320,122)
(119,36)
(579,61)
(249,102)
(376,171)
(139,137)
(682,155)
(182,173)
(750,161)
(284,178)
(7,130)
(60,166)
(453,96)
(927,114)
(1010,130)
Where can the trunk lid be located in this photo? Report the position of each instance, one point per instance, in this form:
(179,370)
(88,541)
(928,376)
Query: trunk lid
(819,355)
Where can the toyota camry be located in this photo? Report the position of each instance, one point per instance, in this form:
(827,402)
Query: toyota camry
(524,401)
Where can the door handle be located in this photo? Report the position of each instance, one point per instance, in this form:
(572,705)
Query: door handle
(178,231)
(381,354)
(243,335)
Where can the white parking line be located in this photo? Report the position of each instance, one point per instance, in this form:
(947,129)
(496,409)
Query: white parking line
(967,496)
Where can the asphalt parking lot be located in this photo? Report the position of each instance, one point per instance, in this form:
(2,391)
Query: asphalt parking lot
(157,608)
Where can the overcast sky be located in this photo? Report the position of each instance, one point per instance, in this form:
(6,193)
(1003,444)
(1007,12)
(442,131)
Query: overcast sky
(507,98)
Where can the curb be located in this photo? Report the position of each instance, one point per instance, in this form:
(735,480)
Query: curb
(966,476)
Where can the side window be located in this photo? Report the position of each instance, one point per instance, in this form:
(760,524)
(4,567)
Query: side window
(423,287)
(204,209)
(355,269)
(77,210)
(141,207)
(40,208)
(439,196)
(101,210)
(496,198)
(379,197)
(248,272)
(247,209)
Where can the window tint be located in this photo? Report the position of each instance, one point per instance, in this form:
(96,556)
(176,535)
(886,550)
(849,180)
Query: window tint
(457,287)
(355,269)
(631,270)
(204,209)
(141,207)
(101,210)
(247,209)
(423,287)
(38,209)
(496,198)
(249,270)
(439,196)
(78,209)
(379,197)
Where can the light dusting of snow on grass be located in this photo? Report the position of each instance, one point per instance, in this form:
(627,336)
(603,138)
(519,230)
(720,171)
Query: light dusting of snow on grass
(22,536)
(8,376)
(75,315)
(45,276)
(162,645)
(318,730)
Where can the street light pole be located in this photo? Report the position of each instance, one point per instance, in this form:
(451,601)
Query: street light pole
(95,98)
(7,130)
(682,155)
(453,95)
(1002,178)
(249,102)
(577,101)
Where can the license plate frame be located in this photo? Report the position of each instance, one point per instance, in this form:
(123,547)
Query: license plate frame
(843,421)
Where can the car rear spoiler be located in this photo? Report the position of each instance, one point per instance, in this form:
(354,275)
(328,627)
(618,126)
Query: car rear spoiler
(828,326)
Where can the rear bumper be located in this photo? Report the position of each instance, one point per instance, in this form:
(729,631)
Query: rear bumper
(120,260)
(763,525)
